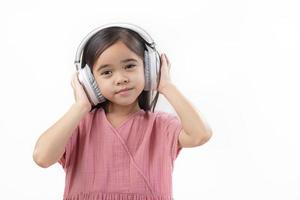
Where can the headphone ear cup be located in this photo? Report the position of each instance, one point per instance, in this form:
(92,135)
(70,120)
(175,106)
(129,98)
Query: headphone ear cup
(90,85)
(152,68)
(147,71)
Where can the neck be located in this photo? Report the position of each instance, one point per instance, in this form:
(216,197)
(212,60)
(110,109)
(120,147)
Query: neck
(123,110)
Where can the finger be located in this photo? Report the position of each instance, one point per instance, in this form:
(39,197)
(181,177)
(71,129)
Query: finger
(76,80)
(167,59)
(163,58)
(72,80)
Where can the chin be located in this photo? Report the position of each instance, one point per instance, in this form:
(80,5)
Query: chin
(125,102)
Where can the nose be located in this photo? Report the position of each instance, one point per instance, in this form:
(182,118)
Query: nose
(120,79)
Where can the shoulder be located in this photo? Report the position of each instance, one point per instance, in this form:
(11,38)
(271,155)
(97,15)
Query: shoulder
(164,116)
(163,119)
(88,120)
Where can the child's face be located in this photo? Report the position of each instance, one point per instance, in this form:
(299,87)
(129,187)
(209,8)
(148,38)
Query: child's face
(119,75)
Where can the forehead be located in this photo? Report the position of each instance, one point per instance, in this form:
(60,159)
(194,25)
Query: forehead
(115,54)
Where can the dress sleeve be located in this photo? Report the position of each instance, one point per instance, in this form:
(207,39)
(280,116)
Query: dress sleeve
(65,158)
(172,126)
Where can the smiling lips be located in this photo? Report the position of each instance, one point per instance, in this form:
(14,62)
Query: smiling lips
(125,89)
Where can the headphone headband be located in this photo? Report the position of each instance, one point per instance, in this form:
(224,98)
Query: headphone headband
(139,30)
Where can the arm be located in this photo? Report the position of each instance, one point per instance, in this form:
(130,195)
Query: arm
(51,144)
(195,131)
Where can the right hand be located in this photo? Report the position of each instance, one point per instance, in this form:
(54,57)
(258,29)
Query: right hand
(79,93)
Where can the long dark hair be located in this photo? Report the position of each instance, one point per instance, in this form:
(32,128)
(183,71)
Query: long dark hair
(106,37)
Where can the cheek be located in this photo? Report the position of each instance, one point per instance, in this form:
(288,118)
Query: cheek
(101,84)
(141,75)
(140,81)
(105,90)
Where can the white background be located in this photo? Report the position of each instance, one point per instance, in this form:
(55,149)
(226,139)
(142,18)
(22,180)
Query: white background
(237,61)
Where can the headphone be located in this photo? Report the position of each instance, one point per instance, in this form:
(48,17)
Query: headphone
(151,61)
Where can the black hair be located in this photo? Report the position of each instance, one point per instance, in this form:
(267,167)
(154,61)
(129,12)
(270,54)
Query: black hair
(106,37)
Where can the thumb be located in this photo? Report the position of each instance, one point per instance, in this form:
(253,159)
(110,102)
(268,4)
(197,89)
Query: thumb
(163,58)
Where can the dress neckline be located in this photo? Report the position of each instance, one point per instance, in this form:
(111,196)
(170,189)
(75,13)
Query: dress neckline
(124,121)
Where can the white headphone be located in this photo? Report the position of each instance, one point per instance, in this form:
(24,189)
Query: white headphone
(151,58)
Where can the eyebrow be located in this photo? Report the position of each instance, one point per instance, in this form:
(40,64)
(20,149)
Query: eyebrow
(122,61)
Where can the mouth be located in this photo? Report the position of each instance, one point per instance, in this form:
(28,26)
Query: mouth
(124,90)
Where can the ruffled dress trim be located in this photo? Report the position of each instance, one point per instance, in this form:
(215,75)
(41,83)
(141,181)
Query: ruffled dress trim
(114,196)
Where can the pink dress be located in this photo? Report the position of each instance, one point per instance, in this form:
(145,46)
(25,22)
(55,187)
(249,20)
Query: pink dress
(131,162)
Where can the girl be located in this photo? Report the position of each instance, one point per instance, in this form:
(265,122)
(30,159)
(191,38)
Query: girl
(120,149)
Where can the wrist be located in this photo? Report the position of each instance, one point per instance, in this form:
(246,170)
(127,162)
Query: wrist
(166,88)
(83,108)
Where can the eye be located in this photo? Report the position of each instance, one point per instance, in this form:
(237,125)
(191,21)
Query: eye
(104,73)
(130,65)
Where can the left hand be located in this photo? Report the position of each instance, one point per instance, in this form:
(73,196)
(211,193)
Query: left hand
(165,78)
